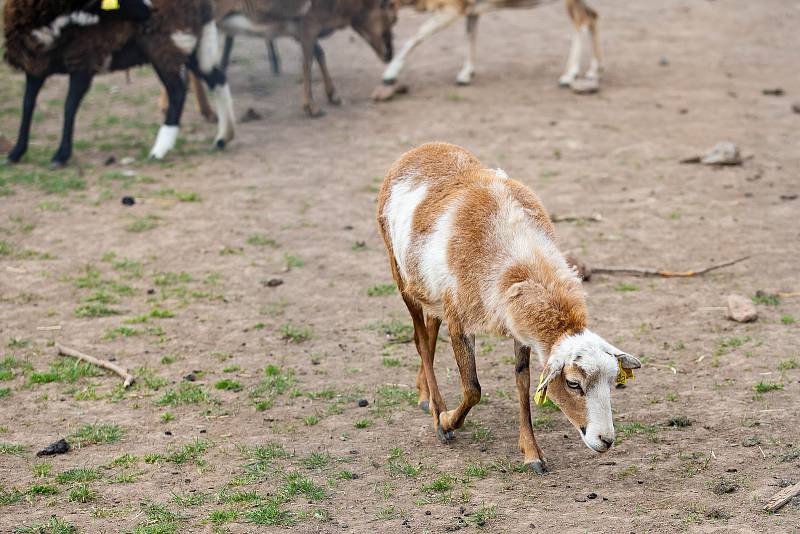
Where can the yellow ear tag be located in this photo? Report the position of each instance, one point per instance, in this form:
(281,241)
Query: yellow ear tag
(540,397)
(109,5)
(624,374)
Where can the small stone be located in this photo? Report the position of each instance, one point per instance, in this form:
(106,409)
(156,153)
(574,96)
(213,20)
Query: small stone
(191,377)
(363,403)
(167,433)
(251,115)
(273,282)
(663,61)
(202,430)
(751,441)
(724,486)
(592,495)
(793,196)
(110,160)
(796,107)
(741,309)
(723,153)
(151,291)
(427,512)
(128,201)
(773,91)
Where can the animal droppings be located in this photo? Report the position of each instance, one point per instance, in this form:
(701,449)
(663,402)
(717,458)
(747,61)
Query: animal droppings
(128,201)
(58,447)
(363,403)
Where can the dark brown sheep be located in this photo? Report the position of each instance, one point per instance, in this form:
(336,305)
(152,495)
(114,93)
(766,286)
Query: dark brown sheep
(307,21)
(45,37)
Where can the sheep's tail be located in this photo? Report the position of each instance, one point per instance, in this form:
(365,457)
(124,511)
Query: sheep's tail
(208,62)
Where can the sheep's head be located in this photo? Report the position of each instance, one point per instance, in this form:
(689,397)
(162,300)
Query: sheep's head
(579,375)
(374,24)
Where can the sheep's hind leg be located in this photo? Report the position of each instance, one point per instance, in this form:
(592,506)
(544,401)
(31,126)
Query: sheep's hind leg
(79,84)
(534,459)
(330,90)
(432,325)
(33,84)
(274,57)
(436,403)
(464,351)
(176,96)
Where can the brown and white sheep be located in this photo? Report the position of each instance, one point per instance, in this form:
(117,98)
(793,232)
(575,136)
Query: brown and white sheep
(476,249)
(445,12)
(46,37)
(308,21)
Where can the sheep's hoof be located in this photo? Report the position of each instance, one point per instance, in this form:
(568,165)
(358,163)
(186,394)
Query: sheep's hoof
(538,467)
(334,100)
(387,91)
(312,111)
(14,156)
(57,164)
(425,406)
(220,144)
(444,437)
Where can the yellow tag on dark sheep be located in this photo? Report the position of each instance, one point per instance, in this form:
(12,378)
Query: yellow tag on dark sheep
(109,5)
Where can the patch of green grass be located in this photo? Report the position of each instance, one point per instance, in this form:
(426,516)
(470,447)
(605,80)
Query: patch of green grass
(387,513)
(381,290)
(95,310)
(626,430)
(311,420)
(346,475)
(77,475)
(396,331)
(222,516)
(482,435)
(625,287)
(188,499)
(476,471)
(143,224)
(441,484)
(232,369)
(297,484)
(316,460)
(241,496)
(65,369)
(228,385)
(5,392)
(271,514)
(260,240)
(82,493)
(126,460)
(17,449)
(168,359)
(10,496)
(42,470)
(766,299)
(54,525)
(363,423)
(391,362)
(186,393)
(97,433)
(160,520)
(166,417)
(764,387)
(787,319)
(124,331)
(788,364)
(295,334)
(150,379)
(482,515)
(42,489)
(275,383)
(389,397)
(188,452)
(293,261)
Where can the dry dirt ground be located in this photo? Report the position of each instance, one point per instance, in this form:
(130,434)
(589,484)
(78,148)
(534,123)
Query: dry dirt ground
(269,435)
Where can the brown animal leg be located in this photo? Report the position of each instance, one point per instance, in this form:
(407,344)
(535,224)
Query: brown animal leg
(534,459)
(309,107)
(330,90)
(201,100)
(432,325)
(437,405)
(464,351)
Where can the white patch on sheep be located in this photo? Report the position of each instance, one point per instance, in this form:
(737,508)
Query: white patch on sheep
(185,41)
(501,173)
(225,114)
(208,54)
(47,35)
(432,254)
(399,212)
(165,141)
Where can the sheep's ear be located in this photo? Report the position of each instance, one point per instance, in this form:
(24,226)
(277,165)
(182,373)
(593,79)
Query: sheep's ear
(551,371)
(627,361)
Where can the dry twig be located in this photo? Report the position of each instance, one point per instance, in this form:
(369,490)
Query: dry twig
(640,271)
(782,497)
(104,364)
(576,218)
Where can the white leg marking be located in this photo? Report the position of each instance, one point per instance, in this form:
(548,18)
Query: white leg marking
(440,19)
(185,41)
(465,76)
(165,141)
(208,55)
(573,60)
(225,115)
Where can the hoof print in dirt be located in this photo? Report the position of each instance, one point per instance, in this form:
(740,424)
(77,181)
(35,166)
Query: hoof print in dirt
(58,447)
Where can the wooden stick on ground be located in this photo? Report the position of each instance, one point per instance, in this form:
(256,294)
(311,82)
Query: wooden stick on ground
(576,218)
(782,497)
(104,364)
(639,271)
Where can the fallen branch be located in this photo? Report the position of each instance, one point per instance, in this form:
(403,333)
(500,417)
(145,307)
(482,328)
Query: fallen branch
(789,294)
(639,271)
(104,364)
(576,218)
(782,497)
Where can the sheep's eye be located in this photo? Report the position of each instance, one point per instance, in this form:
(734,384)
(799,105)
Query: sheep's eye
(573,385)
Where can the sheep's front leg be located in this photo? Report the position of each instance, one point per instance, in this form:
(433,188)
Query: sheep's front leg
(465,76)
(464,351)
(79,83)
(310,109)
(176,96)
(437,405)
(534,459)
(33,84)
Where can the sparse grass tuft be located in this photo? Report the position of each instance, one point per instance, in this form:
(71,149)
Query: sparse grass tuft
(295,334)
(82,493)
(186,393)
(363,423)
(54,525)
(381,290)
(188,452)
(77,475)
(316,460)
(17,449)
(626,287)
(764,387)
(228,385)
(96,433)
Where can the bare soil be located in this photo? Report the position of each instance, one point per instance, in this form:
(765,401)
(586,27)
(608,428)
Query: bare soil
(700,446)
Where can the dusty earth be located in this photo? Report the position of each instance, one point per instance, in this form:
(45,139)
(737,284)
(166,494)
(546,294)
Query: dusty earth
(269,435)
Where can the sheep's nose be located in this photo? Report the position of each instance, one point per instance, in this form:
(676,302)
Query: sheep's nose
(608,442)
